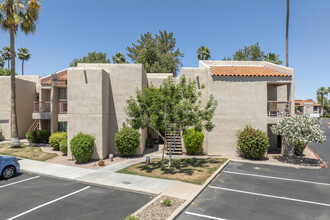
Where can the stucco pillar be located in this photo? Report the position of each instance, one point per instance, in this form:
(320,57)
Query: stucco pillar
(287,147)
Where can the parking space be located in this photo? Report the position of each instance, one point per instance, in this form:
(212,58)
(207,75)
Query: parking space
(35,197)
(250,191)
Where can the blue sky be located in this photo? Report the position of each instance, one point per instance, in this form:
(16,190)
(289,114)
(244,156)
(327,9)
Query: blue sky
(70,29)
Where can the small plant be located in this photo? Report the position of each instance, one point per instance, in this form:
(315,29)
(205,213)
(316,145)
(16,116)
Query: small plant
(167,202)
(299,147)
(127,141)
(38,136)
(193,141)
(132,217)
(64,146)
(203,86)
(252,143)
(82,147)
(101,162)
(56,138)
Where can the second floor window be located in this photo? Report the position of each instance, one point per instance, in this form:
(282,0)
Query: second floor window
(62,93)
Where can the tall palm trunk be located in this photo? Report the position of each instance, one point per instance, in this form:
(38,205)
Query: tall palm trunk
(14,131)
(22,67)
(287,32)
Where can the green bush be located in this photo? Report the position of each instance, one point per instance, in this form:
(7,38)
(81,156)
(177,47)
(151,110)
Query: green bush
(82,147)
(38,136)
(193,141)
(56,138)
(127,141)
(131,217)
(167,202)
(252,143)
(299,147)
(64,146)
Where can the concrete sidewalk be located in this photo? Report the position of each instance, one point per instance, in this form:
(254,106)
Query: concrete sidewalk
(105,177)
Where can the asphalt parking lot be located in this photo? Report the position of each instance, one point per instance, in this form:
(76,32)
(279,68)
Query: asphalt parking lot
(35,197)
(250,191)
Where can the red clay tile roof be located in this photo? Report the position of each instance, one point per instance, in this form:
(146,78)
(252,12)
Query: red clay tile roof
(60,76)
(244,71)
(300,102)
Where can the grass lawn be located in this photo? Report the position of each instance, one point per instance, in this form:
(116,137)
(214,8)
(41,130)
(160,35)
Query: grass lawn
(190,170)
(28,152)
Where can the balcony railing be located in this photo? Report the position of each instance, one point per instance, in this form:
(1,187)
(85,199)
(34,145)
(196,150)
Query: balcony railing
(63,106)
(278,108)
(41,106)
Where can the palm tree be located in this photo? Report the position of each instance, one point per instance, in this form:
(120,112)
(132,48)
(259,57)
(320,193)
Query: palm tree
(321,92)
(203,53)
(14,14)
(119,58)
(6,55)
(2,61)
(273,58)
(287,32)
(24,54)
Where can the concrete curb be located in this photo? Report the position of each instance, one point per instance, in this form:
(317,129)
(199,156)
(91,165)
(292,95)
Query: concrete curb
(47,175)
(324,165)
(276,164)
(179,210)
(146,205)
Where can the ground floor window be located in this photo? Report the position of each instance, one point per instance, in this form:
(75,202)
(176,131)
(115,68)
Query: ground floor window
(62,126)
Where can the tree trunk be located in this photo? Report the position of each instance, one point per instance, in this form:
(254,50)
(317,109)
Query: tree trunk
(287,33)
(22,67)
(14,131)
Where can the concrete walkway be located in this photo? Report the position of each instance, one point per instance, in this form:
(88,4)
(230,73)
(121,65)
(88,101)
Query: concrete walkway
(108,177)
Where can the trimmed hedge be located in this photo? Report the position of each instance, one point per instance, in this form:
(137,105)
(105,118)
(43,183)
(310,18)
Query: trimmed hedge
(82,147)
(38,136)
(252,143)
(56,138)
(299,147)
(127,141)
(193,141)
(64,146)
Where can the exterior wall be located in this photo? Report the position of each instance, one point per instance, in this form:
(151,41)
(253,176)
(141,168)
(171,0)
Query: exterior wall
(26,87)
(157,79)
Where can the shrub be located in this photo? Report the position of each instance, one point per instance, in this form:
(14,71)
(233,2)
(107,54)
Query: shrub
(38,136)
(193,141)
(252,143)
(131,217)
(167,202)
(127,141)
(64,146)
(56,138)
(299,147)
(82,147)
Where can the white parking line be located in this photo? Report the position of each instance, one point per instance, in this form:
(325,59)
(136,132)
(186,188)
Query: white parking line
(9,184)
(204,216)
(45,204)
(271,196)
(279,178)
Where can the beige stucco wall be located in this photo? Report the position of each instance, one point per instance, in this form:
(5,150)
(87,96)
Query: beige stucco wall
(5,108)
(156,79)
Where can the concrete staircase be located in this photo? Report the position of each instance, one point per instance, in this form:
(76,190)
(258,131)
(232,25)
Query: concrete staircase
(174,143)
(34,126)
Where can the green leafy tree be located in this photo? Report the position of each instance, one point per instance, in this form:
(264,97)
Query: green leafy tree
(119,58)
(2,61)
(174,106)
(15,14)
(203,53)
(93,57)
(226,59)
(24,55)
(157,54)
(4,72)
(273,58)
(6,55)
(251,53)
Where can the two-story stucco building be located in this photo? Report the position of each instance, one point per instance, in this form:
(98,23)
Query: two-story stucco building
(91,98)
(308,107)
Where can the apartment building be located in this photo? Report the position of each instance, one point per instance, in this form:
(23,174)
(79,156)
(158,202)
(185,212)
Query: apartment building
(308,107)
(91,98)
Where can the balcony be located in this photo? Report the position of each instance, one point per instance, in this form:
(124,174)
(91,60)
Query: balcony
(278,108)
(41,107)
(63,106)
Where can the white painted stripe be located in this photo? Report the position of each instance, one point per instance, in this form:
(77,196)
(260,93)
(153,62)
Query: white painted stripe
(45,204)
(279,178)
(9,184)
(271,196)
(204,216)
